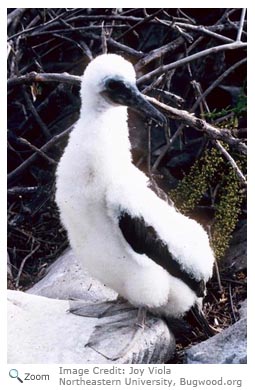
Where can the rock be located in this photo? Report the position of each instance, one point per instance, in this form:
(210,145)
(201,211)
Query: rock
(243,309)
(227,347)
(235,258)
(41,331)
(66,279)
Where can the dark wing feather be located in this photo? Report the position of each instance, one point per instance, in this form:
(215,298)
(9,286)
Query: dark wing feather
(144,240)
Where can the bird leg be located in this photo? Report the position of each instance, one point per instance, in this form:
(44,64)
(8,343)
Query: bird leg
(141,317)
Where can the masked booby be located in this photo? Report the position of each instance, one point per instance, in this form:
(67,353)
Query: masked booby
(123,233)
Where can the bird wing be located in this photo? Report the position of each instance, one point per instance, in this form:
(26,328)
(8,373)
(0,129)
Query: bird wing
(144,240)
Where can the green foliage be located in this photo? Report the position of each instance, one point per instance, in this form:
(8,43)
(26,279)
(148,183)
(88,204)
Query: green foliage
(226,213)
(207,172)
(237,111)
(194,185)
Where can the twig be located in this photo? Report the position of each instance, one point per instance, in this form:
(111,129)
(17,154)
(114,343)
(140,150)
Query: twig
(83,47)
(202,125)
(145,20)
(13,15)
(217,142)
(198,93)
(15,191)
(159,52)
(153,85)
(23,263)
(234,281)
(231,302)
(149,150)
(218,276)
(204,30)
(124,18)
(17,171)
(76,29)
(217,82)
(186,16)
(184,61)
(120,46)
(169,143)
(50,23)
(37,150)
(232,162)
(33,77)
(35,114)
(172,97)
(240,28)
(14,20)
(104,40)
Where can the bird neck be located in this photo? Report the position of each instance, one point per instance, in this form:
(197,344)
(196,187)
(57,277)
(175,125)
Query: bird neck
(103,139)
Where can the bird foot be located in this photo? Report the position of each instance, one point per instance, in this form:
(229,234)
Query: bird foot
(120,325)
(98,309)
(114,337)
(202,321)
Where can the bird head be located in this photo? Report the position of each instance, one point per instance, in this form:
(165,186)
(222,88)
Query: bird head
(109,80)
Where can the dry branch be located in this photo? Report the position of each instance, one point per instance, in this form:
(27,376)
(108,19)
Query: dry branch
(201,125)
(240,29)
(204,31)
(232,162)
(186,60)
(53,141)
(216,83)
(34,77)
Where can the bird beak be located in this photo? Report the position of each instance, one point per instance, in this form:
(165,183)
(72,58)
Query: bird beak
(138,102)
(119,91)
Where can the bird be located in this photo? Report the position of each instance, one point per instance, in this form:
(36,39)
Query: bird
(123,233)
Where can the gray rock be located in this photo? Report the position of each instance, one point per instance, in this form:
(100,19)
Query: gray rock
(243,309)
(228,347)
(66,279)
(236,255)
(41,331)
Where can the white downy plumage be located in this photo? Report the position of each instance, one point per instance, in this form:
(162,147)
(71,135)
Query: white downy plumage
(97,183)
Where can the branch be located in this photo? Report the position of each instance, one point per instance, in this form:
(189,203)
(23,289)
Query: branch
(144,20)
(23,263)
(33,77)
(240,28)
(50,23)
(37,150)
(205,31)
(232,162)
(217,82)
(201,125)
(16,13)
(157,53)
(186,60)
(17,171)
(35,114)
(75,29)
(120,46)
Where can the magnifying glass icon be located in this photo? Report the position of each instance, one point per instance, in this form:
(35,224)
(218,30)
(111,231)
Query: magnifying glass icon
(15,374)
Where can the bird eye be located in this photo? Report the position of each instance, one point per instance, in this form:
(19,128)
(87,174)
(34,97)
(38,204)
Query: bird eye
(114,85)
